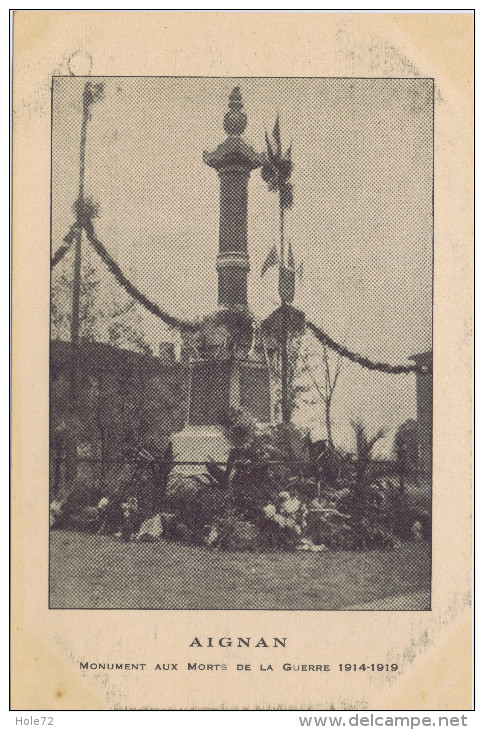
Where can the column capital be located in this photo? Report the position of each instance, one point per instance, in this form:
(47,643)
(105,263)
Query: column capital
(234,152)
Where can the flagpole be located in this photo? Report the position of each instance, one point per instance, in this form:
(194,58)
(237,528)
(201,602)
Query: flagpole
(90,93)
(285,412)
(71,461)
(281,231)
(76,288)
(276,173)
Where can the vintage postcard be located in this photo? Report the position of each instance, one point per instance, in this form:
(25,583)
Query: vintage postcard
(242,360)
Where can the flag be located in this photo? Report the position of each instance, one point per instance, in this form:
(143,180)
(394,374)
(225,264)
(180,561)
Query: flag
(285,166)
(271,260)
(277,168)
(271,155)
(269,168)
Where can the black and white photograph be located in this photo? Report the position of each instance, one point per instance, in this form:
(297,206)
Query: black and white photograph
(240,343)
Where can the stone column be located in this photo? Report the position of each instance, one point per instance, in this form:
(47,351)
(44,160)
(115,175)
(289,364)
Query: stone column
(233,259)
(234,160)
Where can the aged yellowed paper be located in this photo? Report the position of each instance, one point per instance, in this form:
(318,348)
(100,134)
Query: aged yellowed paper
(242,359)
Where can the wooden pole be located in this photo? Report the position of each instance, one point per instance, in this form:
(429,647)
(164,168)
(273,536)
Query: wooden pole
(76,287)
(285,410)
(71,445)
(76,294)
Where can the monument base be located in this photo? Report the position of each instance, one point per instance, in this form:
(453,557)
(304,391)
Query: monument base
(199,444)
(218,385)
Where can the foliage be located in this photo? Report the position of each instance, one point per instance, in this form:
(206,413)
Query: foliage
(195,508)
(266,459)
(90,312)
(279,491)
(290,494)
(237,324)
(85,208)
(121,407)
(119,412)
(105,314)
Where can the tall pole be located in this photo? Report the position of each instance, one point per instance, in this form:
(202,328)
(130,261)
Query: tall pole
(276,172)
(285,410)
(90,94)
(76,292)
(76,287)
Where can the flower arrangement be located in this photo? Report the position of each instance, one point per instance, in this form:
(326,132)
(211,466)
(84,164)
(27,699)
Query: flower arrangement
(290,513)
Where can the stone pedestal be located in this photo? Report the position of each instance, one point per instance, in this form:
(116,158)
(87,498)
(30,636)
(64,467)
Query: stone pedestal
(199,444)
(216,386)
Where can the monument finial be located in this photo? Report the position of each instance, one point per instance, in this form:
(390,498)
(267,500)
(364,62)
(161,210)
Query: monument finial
(235,120)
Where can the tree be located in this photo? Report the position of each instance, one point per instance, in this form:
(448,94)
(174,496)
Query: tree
(332,365)
(106,313)
(90,311)
(97,414)
(125,329)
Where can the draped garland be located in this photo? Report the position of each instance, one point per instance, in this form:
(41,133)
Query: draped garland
(85,223)
(59,255)
(360,359)
(130,288)
(172,321)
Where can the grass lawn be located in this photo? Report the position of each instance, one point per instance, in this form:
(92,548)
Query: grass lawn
(97,571)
